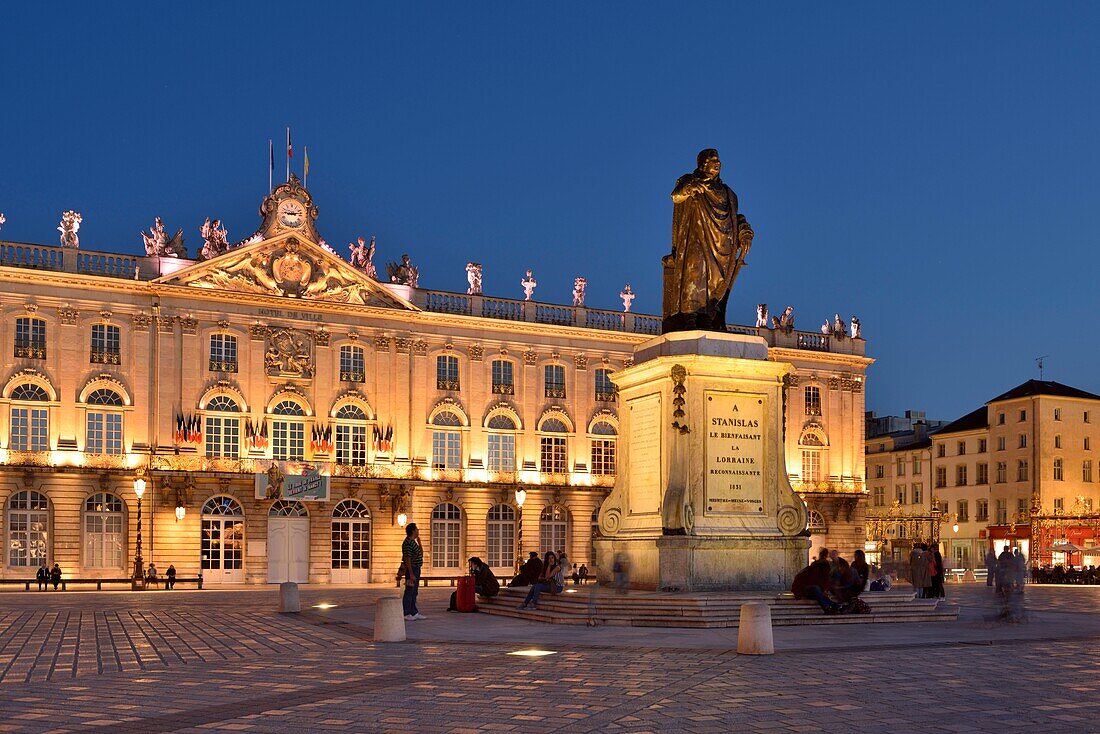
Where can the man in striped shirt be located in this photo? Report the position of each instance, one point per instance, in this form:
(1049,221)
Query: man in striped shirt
(412,559)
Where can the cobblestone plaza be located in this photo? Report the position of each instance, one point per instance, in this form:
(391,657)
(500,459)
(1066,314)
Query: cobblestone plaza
(225,660)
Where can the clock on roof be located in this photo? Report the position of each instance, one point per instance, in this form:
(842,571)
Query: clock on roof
(292,213)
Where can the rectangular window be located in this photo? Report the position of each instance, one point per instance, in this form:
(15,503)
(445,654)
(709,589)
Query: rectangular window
(605,390)
(1001,443)
(1023,416)
(811,466)
(502,452)
(963,511)
(29,429)
(1021,471)
(552,454)
(1086,470)
(104,433)
(288,440)
(880,471)
(901,467)
(878,495)
(981,510)
(1087,443)
(1059,505)
(917,494)
(899,494)
(917,468)
(941,450)
(1023,441)
(1058,477)
(106,344)
(223,353)
(603,457)
(1086,416)
(30,338)
(1057,441)
(962,448)
(351,365)
(223,437)
(982,474)
(446,450)
(446,372)
(813,400)
(941,476)
(1002,513)
(1000,419)
(1023,512)
(982,445)
(1002,472)
(1057,414)
(351,444)
(554,375)
(960,475)
(1087,502)
(503,382)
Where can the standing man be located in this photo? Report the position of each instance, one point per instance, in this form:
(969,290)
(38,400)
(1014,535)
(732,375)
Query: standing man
(990,567)
(412,559)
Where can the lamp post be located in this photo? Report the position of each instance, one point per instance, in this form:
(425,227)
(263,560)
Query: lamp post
(521,497)
(138,582)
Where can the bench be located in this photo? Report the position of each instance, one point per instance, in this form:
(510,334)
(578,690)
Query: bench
(423,580)
(27,583)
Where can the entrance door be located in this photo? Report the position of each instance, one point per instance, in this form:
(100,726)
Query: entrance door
(222,549)
(351,543)
(288,543)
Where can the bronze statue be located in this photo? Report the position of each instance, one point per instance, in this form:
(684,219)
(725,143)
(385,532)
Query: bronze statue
(710,240)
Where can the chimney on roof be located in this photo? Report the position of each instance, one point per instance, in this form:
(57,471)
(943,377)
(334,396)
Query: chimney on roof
(920,430)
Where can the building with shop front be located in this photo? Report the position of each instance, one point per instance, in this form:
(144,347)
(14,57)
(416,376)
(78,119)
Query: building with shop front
(289,414)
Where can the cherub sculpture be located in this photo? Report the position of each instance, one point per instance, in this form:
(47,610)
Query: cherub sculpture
(628,296)
(528,284)
(473,277)
(70,225)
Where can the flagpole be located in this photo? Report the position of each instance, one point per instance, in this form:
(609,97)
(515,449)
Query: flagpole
(305,166)
(288,154)
(270,164)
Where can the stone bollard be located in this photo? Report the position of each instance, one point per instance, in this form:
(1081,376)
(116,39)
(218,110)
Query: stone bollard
(389,620)
(289,599)
(969,576)
(754,630)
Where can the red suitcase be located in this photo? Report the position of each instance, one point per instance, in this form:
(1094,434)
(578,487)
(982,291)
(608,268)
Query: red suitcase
(464,596)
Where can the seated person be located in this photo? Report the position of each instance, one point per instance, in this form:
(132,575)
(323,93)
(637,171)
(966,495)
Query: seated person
(583,572)
(845,585)
(529,572)
(552,580)
(485,582)
(812,582)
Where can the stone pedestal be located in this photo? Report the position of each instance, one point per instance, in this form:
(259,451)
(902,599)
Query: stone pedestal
(702,500)
(290,600)
(754,630)
(389,624)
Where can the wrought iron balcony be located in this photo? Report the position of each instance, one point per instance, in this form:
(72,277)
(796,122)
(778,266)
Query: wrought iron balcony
(352,376)
(30,349)
(105,357)
(555,392)
(223,365)
(443,384)
(503,388)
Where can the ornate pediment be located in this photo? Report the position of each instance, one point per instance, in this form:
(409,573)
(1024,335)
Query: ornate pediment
(289,266)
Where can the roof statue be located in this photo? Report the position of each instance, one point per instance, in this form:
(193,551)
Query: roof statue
(857,328)
(473,276)
(404,273)
(70,225)
(579,286)
(628,296)
(157,243)
(362,257)
(214,239)
(528,284)
(785,321)
(761,316)
(2,219)
(710,240)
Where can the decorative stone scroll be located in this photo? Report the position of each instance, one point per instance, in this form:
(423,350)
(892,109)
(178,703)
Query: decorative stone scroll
(580,361)
(141,321)
(189,325)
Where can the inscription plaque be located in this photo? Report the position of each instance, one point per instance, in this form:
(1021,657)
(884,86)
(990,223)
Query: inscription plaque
(735,452)
(644,469)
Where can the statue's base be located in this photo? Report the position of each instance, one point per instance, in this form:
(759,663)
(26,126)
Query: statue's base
(699,563)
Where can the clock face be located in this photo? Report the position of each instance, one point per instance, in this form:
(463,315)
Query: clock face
(291,213)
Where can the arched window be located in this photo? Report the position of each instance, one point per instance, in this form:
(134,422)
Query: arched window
(552,449)
(30,424)
(30,338)
(502,443)
(223,432)
(812,443)
(351,435)
(104,531)
(603,449)
(554,529)
(288,437)
(816,523)
(28,529)
(501,537)
(446,536)
(103,428)
(223,537)
(288,508)
(350,542)
(446,444)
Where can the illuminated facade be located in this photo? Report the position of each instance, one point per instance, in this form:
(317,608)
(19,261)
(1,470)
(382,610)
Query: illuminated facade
(288,411)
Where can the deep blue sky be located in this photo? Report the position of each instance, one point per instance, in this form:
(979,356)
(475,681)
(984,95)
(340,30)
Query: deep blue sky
(932,169)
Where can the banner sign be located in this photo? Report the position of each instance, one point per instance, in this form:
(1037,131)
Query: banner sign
(312,486)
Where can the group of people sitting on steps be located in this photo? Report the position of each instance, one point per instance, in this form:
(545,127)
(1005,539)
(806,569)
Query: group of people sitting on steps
(547,575)
(834,583)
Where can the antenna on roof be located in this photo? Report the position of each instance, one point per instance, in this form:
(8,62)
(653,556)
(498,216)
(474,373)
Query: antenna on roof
(1039,361)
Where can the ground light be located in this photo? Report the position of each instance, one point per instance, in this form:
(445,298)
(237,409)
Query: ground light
(570,591)
(324,605)
(532,653)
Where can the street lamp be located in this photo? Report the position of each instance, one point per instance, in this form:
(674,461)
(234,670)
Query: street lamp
(138,582)
(521,497)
